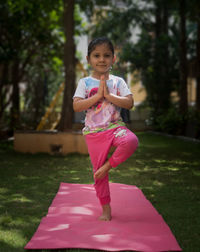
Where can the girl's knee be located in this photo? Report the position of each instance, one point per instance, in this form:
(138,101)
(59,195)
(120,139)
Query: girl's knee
(126,140)
(132,142)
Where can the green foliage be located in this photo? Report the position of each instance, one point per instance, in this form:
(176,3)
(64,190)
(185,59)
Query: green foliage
(116,22)
(170,122)
(154,52)
(173,122)
(31,37)
(80,26)
(193,121)
(32,33)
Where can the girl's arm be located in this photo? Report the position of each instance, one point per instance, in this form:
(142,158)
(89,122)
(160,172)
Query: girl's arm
(122,102)
(80,104)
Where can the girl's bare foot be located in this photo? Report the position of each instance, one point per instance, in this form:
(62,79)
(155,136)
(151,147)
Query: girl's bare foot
(102,171)
(106,214)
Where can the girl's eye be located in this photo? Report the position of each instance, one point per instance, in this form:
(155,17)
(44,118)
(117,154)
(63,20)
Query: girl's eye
(107,55)
(96,55)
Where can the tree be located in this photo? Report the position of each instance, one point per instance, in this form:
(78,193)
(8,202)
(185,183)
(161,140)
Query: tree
(70,64)
(66,122)
(27,29)
(198,66)
(161,73)
(183,58)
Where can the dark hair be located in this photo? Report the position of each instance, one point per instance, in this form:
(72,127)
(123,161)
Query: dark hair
(99,41)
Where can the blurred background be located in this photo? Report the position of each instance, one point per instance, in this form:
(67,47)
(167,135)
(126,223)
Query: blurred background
(43,45)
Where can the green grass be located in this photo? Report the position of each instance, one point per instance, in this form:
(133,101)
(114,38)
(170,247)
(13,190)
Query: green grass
(166,169)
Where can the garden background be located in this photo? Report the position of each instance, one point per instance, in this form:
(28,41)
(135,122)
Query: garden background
(158,46)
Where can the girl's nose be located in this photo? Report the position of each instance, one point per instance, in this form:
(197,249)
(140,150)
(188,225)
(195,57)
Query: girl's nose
(101,58)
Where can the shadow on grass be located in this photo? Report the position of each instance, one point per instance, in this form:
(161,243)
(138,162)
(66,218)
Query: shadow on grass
(167,170)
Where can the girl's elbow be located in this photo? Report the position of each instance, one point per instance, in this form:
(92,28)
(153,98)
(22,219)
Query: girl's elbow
(130,105)
(130,102)
(76,108)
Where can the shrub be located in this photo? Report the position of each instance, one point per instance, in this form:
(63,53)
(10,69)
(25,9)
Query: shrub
(171,122)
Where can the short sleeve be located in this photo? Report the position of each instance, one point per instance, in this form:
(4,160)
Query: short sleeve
(80,90)
(123,88)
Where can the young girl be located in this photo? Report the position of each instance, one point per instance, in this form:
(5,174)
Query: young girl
(102,95)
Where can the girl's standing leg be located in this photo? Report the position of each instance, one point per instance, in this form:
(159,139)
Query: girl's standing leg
(98,147)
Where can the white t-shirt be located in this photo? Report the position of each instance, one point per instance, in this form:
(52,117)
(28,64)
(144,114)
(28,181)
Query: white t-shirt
(102,115)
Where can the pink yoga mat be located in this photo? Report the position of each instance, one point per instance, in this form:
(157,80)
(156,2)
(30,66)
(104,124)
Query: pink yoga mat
(72,222)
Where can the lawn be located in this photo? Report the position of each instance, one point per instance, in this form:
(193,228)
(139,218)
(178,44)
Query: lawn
(167,170)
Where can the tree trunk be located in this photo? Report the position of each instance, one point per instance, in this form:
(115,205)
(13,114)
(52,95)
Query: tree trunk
(15,110)
(3,83)
(162,86)
(166,90)
(198,69)
(67,114)
(183,105)
(157,66)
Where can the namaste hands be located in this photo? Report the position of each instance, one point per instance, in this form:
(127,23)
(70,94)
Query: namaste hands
(103,91)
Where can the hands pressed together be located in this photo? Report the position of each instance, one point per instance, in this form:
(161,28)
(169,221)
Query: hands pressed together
(103,91)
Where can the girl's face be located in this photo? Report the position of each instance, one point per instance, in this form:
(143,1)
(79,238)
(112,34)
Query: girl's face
(101,59)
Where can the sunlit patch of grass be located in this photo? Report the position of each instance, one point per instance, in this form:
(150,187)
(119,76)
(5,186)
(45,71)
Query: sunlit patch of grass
(19,198)
(173,169)
(196,173)
(157,183)
(12,238)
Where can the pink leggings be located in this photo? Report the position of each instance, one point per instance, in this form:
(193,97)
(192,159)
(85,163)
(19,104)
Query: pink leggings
(99,145)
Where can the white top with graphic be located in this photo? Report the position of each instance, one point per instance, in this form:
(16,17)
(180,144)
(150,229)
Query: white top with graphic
(103,115)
